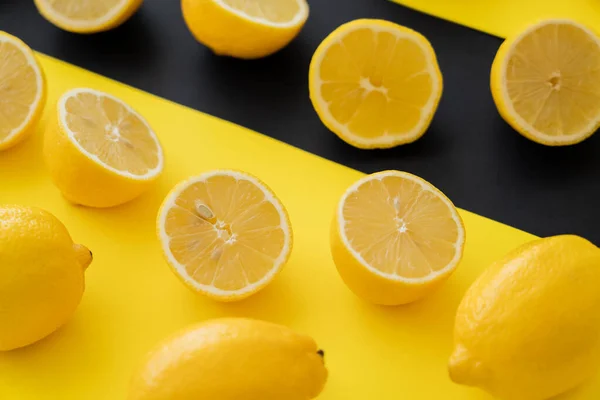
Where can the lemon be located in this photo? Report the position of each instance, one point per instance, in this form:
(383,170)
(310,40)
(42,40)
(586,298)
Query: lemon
(395,238)
(100,152)
(225,234)
(22,90)
(245,29)
(546,82)
(84,16)
(232,359)
(375,84)
(41,275)
(529,327)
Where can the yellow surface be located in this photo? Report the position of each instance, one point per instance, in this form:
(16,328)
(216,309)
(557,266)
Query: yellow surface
(133,300)
(505,17)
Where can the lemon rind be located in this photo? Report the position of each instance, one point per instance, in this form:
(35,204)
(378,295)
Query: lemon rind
(210,290)
(71,135)
(298,19)
(82,26)
(28,53)
(459,245)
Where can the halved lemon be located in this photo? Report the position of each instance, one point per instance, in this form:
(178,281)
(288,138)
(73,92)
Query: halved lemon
(225,234)
(546,82)
(245,29)
(395,238)
(22,91)
(85,16)
(100,152)
(375,84)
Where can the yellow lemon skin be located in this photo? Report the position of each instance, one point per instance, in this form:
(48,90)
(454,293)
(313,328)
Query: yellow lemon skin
(232,359)
(228,34)
(41,275)
(80,179)
(529,327)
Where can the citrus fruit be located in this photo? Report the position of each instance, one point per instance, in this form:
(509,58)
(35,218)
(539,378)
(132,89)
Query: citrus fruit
(224,233)
(375,84)
(22,90)
(100,152)
(84,16)
(395,238)
(245,29)
(529,328)
(232,359)
(41,275)
(546,82)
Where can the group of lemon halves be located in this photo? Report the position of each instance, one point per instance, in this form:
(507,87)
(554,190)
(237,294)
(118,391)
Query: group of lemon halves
(225,234)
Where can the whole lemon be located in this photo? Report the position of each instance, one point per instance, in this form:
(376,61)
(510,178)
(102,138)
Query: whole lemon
(529,327)
(41,275)
(232,359)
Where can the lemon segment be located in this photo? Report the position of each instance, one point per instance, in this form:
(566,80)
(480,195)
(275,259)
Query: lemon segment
(395,238)
(545,82)
(83,16)
(101,152)
(22,91)
(375,84)
(225,234)
(245,29)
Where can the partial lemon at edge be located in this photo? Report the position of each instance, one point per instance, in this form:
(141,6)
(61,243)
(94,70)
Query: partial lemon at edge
(224,234)
(99,151)
(375,84)
(22,91)
(245,29)
(395,238)
(83,16)
(546,82)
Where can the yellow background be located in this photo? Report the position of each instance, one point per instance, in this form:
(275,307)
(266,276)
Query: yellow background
(133,300)
(505,17)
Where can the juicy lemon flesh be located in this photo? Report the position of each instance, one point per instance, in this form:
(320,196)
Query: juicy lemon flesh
(269,10)
(553,79)
(400,228)
(376,83)
(225,233)
(18,88)
(107,129)
(81,10)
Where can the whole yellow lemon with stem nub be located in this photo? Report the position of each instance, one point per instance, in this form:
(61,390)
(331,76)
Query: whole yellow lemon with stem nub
(41,275)
(232,359)
(529,327)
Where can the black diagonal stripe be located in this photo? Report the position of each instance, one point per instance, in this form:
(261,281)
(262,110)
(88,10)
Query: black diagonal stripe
(469,152)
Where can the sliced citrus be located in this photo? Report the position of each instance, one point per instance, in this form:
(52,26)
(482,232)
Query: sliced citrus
(395,237)
(101,152)
(375,84)
(245,29)
(225,234)
(84,16)
(22,91)
(546,82)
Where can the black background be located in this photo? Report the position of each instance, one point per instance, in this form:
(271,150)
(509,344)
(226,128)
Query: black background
(468,152)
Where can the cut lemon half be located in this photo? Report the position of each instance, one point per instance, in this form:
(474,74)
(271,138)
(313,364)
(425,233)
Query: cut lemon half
(245,29)
(100,152)
(85,16)
(546,82)
(395,238)
(375,84)
(225,234)
(22,91)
